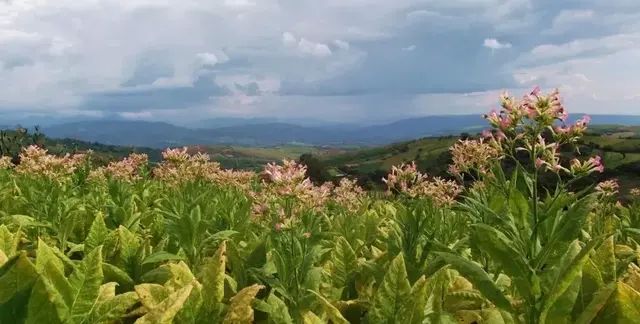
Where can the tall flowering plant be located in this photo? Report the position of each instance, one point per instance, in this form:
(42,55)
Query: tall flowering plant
(522,230)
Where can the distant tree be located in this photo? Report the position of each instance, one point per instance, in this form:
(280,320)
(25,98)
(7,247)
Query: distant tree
(464,136)
(316,168)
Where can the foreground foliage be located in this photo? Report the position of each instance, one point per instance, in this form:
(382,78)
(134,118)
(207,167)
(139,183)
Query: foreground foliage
(189,242)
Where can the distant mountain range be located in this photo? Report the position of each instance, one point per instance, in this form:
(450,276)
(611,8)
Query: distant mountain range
(257,132)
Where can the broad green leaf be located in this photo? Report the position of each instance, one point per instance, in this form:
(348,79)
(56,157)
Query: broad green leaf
(212,278)
(519,207)
(437,288)
(165,311)
(113,309)
(20,277)
(98,233)
(392,294)
(113,273)
(502,251)
(479,278)
(240,310)
(605,260)
(52,293)
(344,262)
(566,278)
(3,258)
(8,241)
(311,318)
(562,309)
(86,281)
(46,305)
(279,312)
(46,257)
(331,311)
(623,306)
(598,302)
(496,316)
(161,256)
(414,310)
(570,225)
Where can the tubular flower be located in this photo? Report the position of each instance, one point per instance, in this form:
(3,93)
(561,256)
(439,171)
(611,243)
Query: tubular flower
(403,177)
(608,188)
(407,180)
(593,164)
(474,155)
(635,192)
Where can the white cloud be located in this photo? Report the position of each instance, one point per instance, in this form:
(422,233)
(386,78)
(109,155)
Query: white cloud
(578,47)
(288,39)
(409,48)
(341,44)
(494,44)
(307,47)
(316,49)
(208,59)
(54,55)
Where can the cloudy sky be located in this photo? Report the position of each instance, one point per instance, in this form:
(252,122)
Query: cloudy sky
(331,60)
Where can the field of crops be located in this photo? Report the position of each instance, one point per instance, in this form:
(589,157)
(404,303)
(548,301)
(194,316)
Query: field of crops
(186,241)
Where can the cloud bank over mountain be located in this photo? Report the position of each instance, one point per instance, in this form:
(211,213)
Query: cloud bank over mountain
(334,60)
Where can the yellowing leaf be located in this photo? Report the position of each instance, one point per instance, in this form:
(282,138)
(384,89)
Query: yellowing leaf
(415,306)
(113,309)
(8,241)
(212,278)
(98,233)
(240,310)
(3,258)
(107,291)
(605,260)
(392,294)
(331,311)
(164,312)
(311,318)
(623,306)
(21,276)
(151,294)
(181,275)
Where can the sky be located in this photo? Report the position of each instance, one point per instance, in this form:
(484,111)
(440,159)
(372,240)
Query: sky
(333,60)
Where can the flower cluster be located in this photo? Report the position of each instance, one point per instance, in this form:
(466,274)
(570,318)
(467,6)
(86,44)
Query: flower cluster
(349,195)
(537,125)
(233,178)
(128,169)
(5,163)
(37,161)
(608,188)
(286,192)
(474,155)
(288,179)
(593,164)
(178,166)
(407,180)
